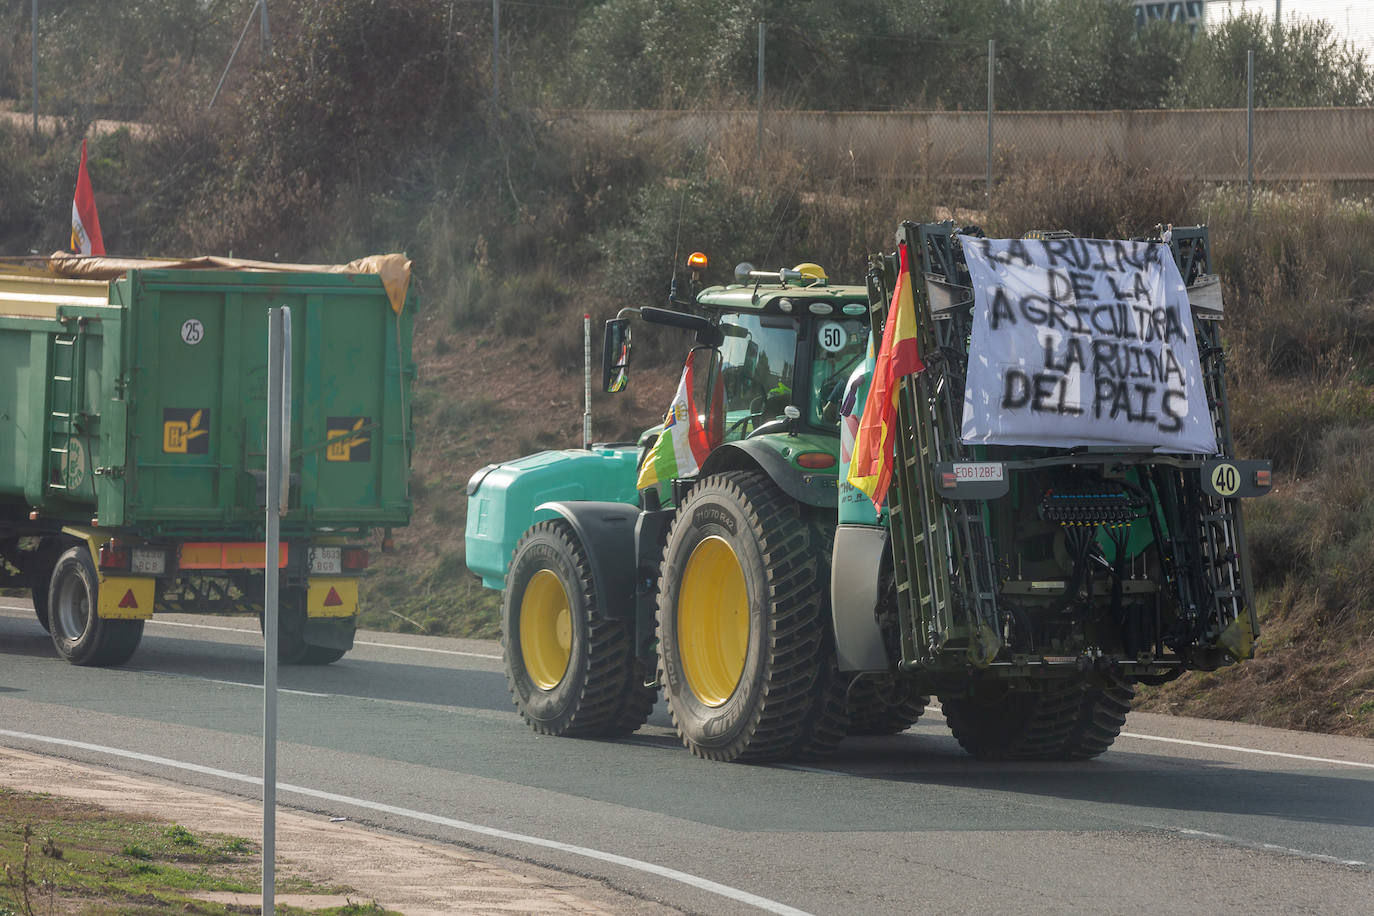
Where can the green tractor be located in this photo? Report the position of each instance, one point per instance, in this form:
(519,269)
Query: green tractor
(725,559)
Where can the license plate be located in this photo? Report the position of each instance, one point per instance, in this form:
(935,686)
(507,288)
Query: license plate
(326,560)
(151,562)
(967,471)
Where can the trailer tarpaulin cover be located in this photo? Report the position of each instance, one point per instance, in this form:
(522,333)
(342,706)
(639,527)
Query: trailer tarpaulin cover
(394,269)
(1082,342)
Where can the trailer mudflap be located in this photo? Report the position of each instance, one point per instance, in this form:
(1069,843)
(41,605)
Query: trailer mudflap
(330,632)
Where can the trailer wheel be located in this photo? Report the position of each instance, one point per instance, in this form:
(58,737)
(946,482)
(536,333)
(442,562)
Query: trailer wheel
(880,704)
(1065,722)
(320,655)
(39,569)
(40,604)
(292,649)
(572,672)
(746,657)
(80,635)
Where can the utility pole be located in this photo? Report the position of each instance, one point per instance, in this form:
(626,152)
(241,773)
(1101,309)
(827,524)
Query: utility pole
(992,73)
(495,55)
(1249,133)
(35,68)
(758,143)
(266,32)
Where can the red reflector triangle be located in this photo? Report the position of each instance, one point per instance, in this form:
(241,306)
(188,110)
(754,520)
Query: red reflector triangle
(128,600)
(332,599)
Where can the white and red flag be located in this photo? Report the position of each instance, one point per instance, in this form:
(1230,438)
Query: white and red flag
(86,237)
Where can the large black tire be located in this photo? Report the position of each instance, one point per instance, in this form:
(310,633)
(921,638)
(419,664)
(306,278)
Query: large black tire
(572,672)
(319,655)
(40,604)
(1062,722)
(882,704)
(746,656)
(40,569)
(80,635)
(292,649)
(1101,715)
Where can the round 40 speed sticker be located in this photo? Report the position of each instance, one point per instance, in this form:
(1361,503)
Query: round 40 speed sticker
(1225,479)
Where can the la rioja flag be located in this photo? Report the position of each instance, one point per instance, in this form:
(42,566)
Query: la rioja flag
(86,238)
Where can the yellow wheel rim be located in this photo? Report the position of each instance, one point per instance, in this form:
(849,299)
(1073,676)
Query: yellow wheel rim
(713,621)
(545,629)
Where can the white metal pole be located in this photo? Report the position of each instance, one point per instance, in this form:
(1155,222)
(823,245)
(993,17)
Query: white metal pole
(587,380)
(278,419)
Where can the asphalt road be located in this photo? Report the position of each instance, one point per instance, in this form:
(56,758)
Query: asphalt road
(418,735)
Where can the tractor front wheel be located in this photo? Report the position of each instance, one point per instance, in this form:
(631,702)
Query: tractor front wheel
(571,670)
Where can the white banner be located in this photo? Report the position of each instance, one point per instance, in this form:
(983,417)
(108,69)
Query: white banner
(1082,342)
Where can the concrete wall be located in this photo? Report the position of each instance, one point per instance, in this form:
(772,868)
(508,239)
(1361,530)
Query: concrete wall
(1312,144)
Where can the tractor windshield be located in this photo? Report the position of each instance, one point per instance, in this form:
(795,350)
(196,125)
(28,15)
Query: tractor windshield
(757,362)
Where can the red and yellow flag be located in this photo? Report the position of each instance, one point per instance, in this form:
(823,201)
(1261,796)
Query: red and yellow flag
(871,468)
(86,238)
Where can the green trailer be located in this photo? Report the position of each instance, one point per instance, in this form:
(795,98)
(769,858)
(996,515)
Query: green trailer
(133,442)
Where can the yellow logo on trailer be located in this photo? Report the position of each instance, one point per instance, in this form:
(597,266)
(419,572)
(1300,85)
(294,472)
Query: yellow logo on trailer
(183,431)
(347,441)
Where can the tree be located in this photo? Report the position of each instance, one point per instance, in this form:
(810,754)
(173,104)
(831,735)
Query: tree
(1302,64)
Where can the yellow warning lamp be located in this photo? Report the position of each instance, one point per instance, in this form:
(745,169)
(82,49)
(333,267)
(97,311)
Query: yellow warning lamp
(697,262)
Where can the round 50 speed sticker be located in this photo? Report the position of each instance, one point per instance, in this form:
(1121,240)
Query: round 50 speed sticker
(832,336)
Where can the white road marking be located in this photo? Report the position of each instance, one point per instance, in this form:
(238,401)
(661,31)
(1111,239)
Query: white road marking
(202,626)
(212,680)
(357,642)
(672,874)
(1266,847)
(387,645)
(1249,750)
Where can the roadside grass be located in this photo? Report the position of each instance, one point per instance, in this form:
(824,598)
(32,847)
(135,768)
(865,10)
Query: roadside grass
(61,856)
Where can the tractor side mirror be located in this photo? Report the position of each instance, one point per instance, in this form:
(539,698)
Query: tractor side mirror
(615,356)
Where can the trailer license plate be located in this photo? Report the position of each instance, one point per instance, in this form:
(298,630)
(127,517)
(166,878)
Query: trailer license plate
(326,560)
(151,562)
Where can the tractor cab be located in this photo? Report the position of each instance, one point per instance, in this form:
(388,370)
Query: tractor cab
(768,377)
(789,344)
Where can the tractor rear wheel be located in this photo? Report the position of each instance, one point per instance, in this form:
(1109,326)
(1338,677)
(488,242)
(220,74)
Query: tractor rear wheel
(81,636)
(881,704)
(746,656)
(571,671)
(1074,721)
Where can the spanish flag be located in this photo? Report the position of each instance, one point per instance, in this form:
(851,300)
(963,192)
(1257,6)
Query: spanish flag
(86,238)
(871,468)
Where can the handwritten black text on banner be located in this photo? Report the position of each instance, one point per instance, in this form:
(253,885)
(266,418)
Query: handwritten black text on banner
(1082,342)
